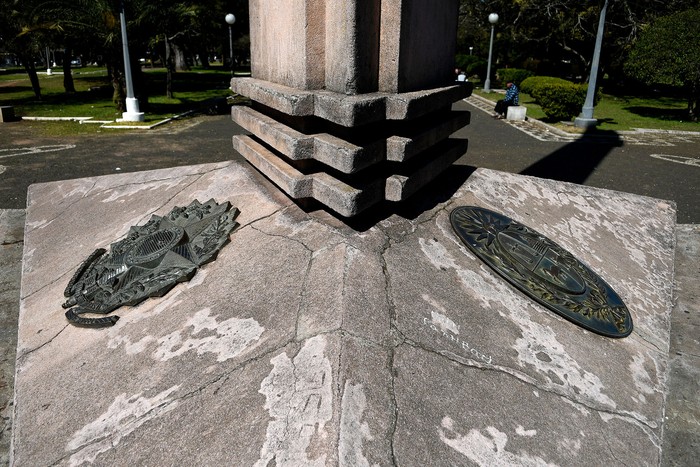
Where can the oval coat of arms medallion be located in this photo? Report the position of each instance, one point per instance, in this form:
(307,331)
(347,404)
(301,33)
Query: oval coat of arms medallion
(542,270)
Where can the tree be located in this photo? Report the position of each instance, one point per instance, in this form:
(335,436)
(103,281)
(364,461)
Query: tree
(15,24)
(667,53)
(547,34)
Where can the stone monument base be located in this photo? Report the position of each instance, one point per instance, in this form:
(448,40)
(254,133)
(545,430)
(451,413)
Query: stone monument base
(307,342)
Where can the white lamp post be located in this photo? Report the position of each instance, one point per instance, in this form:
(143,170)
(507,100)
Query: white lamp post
(230,19)
(48,62)
(493,19)
(132,113)
(471,49)
(586,119)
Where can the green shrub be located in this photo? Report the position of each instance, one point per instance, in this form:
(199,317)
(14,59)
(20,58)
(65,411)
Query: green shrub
(560,99)
(515,75)
(532,84)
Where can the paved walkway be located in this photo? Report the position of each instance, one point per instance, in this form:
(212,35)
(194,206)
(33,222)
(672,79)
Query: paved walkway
(543,132)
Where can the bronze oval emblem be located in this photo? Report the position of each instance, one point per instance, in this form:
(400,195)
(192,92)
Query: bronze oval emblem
(543,270)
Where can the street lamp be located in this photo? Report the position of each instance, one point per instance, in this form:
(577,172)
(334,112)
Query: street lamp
(230,19)
(493,19)
(132,113)
(586,119)
(471,49)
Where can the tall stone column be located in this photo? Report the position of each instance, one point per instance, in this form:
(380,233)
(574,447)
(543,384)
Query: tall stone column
(351,98)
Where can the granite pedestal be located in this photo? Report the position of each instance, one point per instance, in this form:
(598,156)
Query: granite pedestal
(308,342)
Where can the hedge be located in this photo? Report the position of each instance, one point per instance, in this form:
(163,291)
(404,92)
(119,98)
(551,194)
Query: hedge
(560,99)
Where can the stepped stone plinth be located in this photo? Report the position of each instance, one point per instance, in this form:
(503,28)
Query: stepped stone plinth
(345,93)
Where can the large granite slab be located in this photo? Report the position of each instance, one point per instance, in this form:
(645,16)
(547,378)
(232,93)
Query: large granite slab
(309,343)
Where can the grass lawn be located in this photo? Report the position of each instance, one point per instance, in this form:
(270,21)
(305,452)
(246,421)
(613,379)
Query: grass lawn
(620,113)
(93,96)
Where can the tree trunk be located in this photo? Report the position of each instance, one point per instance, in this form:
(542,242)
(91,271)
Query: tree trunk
(33,77)
(180,60)
(119,96)
(204,57)
(694,102)
(168,69)
(68,84)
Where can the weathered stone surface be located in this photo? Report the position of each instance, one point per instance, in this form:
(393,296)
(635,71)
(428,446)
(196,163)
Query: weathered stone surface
(289,62)
(451,414)
(11,238)
(339,153)
(356,66)
(352,44)
(291,143)
(402,148)
(681,440)
(288,100)
(432,163)
(344,199)
(323,147)
(349,110)
(311,343)
(417,44)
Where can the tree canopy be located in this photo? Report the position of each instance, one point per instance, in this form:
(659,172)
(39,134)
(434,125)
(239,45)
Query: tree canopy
(557,36)
(668,52)
(191,30)
(548,37)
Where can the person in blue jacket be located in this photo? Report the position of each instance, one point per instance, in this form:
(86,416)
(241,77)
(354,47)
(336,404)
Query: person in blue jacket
(512,95)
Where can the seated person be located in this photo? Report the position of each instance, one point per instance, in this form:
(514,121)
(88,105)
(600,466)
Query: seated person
(510,99)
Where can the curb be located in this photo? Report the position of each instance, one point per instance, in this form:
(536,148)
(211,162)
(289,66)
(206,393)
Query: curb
(111,124)
(534,121)
(558,132)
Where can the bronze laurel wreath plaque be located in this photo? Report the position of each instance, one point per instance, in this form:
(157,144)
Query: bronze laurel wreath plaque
(149,261)
(542,270)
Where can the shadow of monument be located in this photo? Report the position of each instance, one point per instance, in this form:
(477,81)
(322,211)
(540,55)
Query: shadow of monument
(438,191)
(577,160)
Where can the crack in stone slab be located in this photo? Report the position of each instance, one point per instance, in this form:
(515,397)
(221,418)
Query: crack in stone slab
(304,293)
(395,405)
(273,235)
(31,229)
(644,341)
(223,377)
(27,352)
(122,418)
(11,243)
(630,417)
